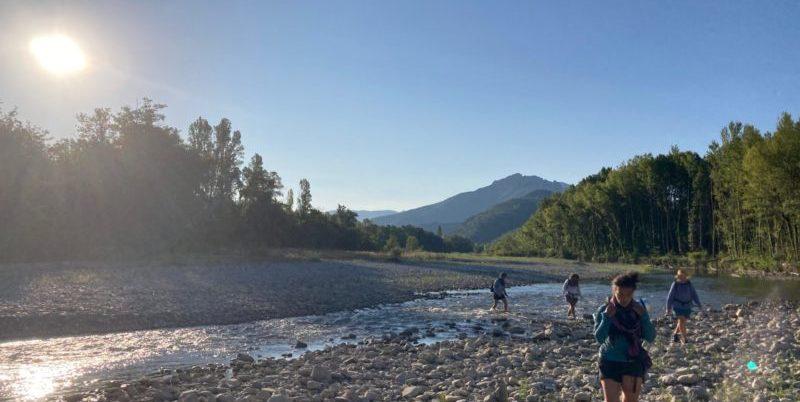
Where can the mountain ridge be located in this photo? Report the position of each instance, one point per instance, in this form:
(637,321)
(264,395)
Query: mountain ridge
(458,208)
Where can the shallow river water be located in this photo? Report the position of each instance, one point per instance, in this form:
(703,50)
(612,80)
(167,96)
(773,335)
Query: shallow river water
(37,369)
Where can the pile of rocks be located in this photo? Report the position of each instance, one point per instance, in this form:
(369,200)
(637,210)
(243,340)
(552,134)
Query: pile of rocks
(513,360)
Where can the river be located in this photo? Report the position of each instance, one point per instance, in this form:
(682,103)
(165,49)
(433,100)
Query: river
(41,368)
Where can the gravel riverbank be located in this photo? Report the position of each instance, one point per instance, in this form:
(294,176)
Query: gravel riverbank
(77,298)
(505,358)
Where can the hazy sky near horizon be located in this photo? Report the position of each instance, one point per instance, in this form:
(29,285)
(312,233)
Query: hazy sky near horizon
(398,104)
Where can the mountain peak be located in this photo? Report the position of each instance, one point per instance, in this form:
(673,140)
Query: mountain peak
(510,178)
(458,208)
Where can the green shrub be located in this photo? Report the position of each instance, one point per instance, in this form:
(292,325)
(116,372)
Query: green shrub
(395,253)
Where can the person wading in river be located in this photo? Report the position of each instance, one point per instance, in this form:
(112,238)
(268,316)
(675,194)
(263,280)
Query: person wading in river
(499,292)
(620,326)
(680,299)
(572,292)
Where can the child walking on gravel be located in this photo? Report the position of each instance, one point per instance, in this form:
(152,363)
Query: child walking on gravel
(620,326)
(682,296)
(572,292)
(499,292)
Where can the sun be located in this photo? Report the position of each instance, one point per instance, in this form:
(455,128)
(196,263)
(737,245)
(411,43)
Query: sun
(58,54)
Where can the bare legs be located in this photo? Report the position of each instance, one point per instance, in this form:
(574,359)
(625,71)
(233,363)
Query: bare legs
(630,389)
(680,328)
(611,390)
(505,304)
(571,310)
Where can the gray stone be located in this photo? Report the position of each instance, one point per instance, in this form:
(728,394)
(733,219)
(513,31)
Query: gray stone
(412,392)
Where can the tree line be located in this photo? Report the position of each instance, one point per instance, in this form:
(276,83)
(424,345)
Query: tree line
(128,184)
(737,205)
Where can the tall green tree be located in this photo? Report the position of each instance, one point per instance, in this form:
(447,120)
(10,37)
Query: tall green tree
(304,200)
(259,184)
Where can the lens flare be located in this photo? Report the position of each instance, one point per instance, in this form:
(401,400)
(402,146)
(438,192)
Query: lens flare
(58,54)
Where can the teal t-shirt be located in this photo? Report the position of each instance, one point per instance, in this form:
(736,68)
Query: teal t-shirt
(616,348)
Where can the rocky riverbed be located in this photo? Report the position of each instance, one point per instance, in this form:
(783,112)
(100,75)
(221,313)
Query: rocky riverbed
(78,298)
(747,352)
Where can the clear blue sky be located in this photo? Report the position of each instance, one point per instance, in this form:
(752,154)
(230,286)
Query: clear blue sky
(397,104)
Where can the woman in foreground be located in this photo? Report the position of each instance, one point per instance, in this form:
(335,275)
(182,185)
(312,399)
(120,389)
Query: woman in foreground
(620,326)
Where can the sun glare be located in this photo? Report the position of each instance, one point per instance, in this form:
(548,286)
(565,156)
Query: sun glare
(58,54)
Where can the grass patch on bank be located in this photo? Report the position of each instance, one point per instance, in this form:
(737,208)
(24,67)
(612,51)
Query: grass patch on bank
(475,258)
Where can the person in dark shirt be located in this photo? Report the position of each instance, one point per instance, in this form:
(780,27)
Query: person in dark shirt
(499,292)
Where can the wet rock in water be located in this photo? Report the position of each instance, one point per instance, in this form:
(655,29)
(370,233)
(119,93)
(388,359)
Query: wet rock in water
(412,391)
(497,332)
(300,345)
(408,332)
(349,336)
(245,358)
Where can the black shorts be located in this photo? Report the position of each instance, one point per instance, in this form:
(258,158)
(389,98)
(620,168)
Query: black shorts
(498,297)
(571,299)
(612,370)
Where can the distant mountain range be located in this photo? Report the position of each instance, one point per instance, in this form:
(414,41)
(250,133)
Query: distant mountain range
(451,213)
(364,214)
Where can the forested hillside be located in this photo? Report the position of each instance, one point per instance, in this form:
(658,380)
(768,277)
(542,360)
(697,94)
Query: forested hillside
(739,204)
(501,218)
